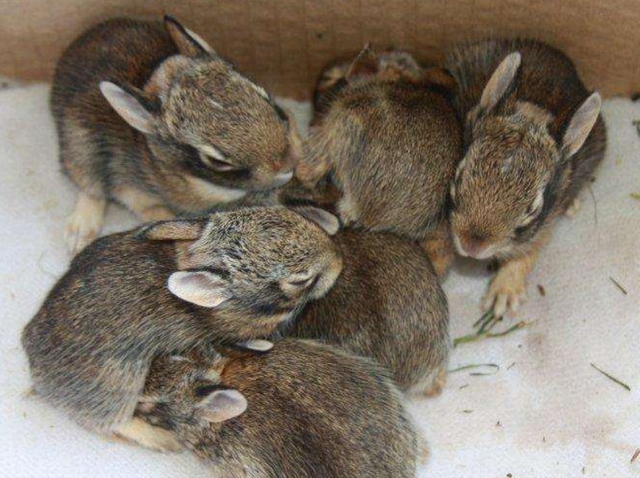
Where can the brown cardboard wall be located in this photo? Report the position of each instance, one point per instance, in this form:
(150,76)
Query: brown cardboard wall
(283,44)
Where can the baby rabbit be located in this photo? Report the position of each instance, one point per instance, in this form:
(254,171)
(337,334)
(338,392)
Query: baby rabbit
(386,304)
(386,130)
(390,65)
(534,137)
(302,410)
(149,115)
(231,277)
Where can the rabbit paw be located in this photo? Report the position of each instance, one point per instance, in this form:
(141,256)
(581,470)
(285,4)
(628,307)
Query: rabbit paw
(424,451)
(85,222)
(435,388)
(440,250)
(506,292)
(149,436)
(573,208)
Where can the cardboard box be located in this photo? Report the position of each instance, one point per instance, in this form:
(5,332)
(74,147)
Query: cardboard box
(283,44)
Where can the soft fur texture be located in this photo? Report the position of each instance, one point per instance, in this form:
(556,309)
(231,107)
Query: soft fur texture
(190,131)
(556,414)
(90,344)
(386,304)
(518,174)
(385,129)
(313,411)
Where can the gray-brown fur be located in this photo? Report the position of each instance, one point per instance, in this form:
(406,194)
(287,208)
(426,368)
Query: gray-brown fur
(390,137)
(293,193)
(391,65)
(195,100)
(386,304)
(313,411)
(91,343)
(515,151)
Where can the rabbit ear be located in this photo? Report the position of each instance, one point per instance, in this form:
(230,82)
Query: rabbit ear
(256,345)
(202,288)
(500,81)
(581,124)
(250,348)
(366,63)
(322,218)
(188,43)
(134,106)
(222,405)
(178,230)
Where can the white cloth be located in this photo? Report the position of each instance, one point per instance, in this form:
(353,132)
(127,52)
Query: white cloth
(556,414)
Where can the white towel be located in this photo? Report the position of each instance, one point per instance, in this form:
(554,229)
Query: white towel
(545,413)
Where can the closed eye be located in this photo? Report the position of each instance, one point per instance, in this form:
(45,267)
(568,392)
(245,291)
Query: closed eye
(528,219)
(221,165)
(532,212)
(534,209)
(531,209)
(217,164)
(305,283)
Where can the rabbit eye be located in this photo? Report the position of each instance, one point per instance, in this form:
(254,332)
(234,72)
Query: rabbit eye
(217,164)
(215,159)
(527,219)
(532,212)
(305,283)
(533,209)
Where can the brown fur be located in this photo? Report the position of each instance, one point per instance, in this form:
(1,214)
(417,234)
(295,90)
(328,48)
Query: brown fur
(388,134)
(90,344)
(386,304)
(196,100)
(391,65)
(313,411)
(439,247)
(515,157)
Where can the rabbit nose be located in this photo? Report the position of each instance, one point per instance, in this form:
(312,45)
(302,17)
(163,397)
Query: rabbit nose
(473,247)
(282,178)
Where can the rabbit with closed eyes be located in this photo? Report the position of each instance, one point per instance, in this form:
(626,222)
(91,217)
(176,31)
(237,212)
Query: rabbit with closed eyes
(301,410)
(150,116)
(231,277)
(386,304)
(533,138)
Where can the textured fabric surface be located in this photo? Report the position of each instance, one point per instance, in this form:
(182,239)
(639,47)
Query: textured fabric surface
(546,412)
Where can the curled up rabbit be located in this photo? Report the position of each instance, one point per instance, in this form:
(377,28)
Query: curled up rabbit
(150,116)
(387,135)
(229,277)
(533,138)
(301,410)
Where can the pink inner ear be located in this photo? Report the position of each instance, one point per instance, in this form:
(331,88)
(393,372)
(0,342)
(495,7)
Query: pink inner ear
(223,405)
(197,280)
(198,287)
(322,218)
